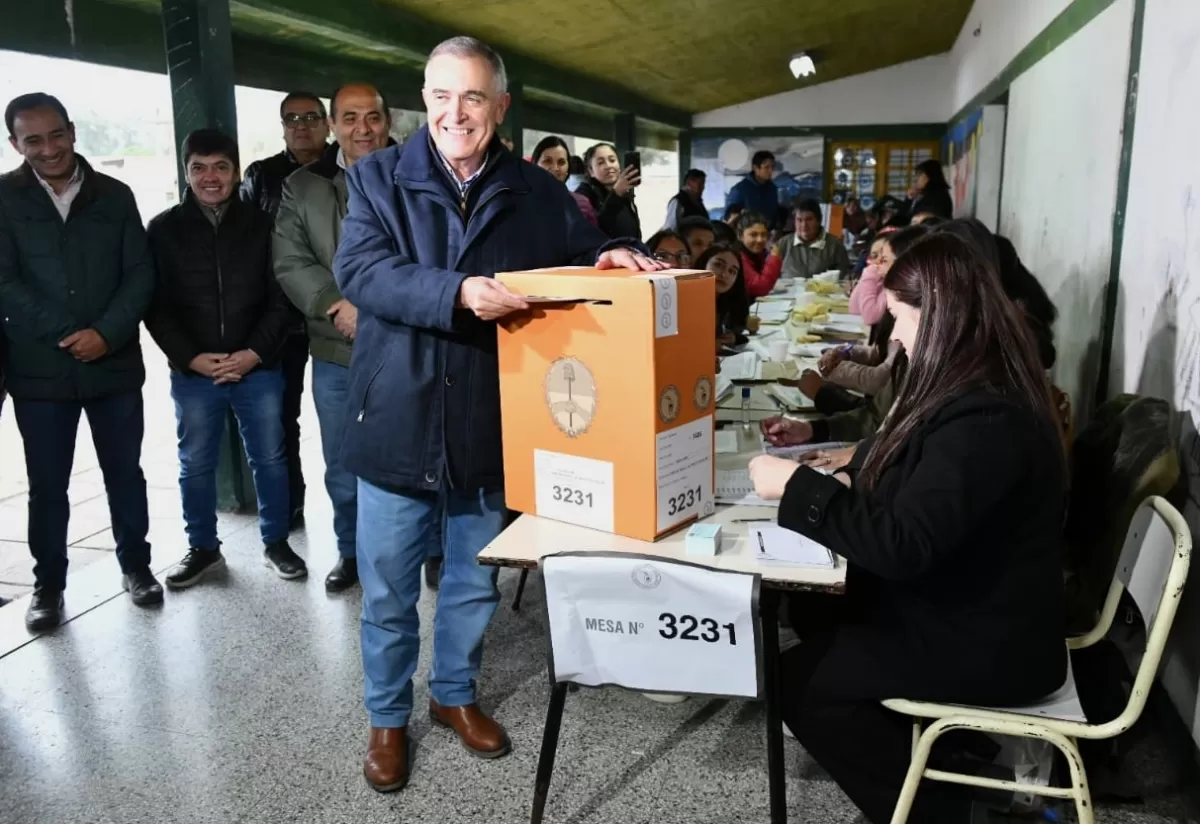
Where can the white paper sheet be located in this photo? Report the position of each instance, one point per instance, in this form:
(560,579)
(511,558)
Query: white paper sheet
(726,442)
(774,544)
(735,487)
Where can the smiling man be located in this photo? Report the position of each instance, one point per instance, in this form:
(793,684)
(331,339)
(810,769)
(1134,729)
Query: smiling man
(307,228)
(75,280)
(221,320)
(429,225)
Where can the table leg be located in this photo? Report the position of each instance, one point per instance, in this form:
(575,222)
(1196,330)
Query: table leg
(769,615)
(545,767)
(520,589)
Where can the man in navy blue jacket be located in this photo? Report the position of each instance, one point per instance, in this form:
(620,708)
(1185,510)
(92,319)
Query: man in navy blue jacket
(429,224)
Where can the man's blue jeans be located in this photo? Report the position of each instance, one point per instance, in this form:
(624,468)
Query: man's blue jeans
(330,382)
(49,429)
(200,410)
(395,529)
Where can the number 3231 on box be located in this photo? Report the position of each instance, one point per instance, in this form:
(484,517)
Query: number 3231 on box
(654,625)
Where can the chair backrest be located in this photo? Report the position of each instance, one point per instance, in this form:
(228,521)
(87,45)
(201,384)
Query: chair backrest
(1125,454)
(1153,569)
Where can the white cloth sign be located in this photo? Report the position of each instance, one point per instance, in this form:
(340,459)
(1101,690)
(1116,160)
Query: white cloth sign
(653,625)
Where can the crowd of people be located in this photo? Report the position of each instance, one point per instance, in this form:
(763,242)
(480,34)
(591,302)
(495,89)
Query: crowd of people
(376,260)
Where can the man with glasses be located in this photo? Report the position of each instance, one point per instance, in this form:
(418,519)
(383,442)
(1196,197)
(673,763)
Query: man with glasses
(305,136)
(305,132)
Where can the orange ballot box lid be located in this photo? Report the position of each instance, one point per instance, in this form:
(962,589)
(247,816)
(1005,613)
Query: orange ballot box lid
(607,398)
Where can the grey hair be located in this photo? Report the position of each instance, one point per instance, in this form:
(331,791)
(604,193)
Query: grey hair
(465,46)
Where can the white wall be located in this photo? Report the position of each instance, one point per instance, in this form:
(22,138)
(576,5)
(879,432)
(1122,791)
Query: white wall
(929,90)
(1062,153)
(913,92)
(990,162)
(1005,27)
(1156,349)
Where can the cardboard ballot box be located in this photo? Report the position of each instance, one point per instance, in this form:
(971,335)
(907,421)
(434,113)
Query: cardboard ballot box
(607,398)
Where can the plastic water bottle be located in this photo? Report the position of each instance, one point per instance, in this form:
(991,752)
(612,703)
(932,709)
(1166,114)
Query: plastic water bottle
(746,408)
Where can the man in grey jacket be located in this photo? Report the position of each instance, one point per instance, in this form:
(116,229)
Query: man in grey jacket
(307,229)
(811,250)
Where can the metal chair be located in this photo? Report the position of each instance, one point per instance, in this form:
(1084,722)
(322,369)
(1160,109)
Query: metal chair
(1153,569)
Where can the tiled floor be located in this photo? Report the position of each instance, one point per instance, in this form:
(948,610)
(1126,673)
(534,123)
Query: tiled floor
(240,701)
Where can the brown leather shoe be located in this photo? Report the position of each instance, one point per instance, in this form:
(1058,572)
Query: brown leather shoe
(386,764)
(479,734)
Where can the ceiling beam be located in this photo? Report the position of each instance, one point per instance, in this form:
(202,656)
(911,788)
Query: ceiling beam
(381,28)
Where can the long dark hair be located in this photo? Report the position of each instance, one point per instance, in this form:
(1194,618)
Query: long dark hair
(970,335)
(744,222)
(550,141)
(733,307)
(1018,282)
(936,174)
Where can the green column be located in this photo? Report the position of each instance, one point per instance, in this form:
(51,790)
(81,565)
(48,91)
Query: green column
(685,154)
(515,120)
(625,133)
(200,68)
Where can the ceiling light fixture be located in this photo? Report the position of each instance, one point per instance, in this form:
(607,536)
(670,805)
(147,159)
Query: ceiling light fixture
(802,65)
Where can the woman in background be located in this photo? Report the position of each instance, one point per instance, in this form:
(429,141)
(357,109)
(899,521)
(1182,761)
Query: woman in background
(609,189)
(733,307)
(553,155)
(759,268)
(930,194)
(950,519)
(669,246)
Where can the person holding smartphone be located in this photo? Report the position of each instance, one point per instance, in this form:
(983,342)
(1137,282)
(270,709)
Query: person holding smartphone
(609,188)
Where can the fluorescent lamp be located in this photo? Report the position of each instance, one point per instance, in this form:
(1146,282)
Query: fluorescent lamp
(802,66)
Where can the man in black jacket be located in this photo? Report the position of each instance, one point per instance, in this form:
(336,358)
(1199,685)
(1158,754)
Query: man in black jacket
(688,202)
(219,316)
(305,134)
(75,280)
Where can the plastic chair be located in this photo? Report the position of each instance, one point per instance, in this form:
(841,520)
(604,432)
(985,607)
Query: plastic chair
(1153,570)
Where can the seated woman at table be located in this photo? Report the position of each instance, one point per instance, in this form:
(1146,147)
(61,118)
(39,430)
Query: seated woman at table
(733,307)
(759,267)
(669,246)
(951,528)
(867,369)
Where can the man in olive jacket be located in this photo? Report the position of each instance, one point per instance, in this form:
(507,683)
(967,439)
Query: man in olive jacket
(76,277)
(307,227)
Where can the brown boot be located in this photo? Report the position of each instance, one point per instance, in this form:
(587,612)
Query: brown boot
(386,764)
(479,734)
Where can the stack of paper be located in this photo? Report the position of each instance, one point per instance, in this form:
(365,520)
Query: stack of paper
(743,366)
(734,487)
(724,387)
(773,544)
(791,397)
(779,371)
(726,442)
(795,453)
(776,311)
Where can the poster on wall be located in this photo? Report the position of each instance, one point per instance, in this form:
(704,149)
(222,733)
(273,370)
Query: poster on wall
(961,153)
(799,166)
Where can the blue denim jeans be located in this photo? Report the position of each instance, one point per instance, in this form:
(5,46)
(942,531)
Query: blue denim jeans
(49,429)
(395,530)
(329,386)
(200,411)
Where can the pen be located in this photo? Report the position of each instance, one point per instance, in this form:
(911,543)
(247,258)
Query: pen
(751,521)
(761,546)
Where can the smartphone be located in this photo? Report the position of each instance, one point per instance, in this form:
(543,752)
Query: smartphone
(633,159)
